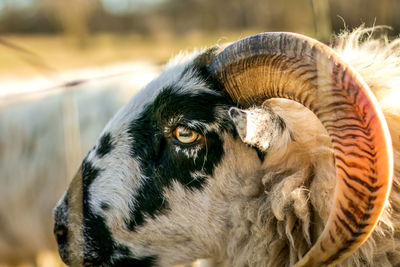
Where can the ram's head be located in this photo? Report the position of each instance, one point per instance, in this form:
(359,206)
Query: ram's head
(199,165)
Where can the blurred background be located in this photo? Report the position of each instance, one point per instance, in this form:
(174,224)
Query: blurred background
(67,66)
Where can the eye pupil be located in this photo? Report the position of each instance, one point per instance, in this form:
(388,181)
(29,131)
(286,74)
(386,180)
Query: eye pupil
(185,135)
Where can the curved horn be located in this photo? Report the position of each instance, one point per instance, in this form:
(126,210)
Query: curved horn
(287,65)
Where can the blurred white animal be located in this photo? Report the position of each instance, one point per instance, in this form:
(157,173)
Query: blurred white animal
(42,134)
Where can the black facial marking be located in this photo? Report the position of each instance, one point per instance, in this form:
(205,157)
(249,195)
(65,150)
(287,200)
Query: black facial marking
(89,174)
(149,200)
(105,145)
(123,257)
(100,249)
(98,240)
(164,160)
(98,245)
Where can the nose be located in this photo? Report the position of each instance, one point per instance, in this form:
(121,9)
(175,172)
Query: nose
(61,230)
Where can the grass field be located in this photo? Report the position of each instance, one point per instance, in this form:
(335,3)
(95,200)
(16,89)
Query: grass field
(40,54)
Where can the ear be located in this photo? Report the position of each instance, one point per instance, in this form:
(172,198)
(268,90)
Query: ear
(239,118)
(259,127)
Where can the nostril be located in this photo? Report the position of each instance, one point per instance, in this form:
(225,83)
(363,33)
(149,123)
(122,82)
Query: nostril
(61,233)
(61,221)
(60,230)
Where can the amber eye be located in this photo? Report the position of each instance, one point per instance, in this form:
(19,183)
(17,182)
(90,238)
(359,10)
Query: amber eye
(185,135)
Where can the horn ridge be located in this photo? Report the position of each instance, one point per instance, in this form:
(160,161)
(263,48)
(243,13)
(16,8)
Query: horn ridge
(288,65)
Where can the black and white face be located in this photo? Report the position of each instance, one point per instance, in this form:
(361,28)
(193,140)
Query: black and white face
(152,191)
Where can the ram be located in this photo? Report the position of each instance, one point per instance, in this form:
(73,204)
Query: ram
(270,151)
